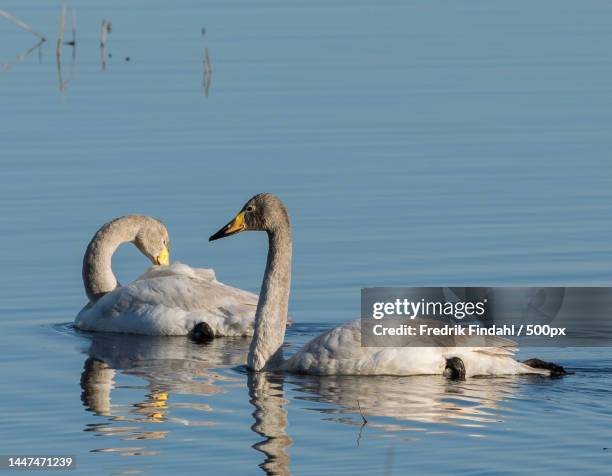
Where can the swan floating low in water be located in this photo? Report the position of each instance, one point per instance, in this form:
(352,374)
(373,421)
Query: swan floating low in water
(339,351)
(168,299)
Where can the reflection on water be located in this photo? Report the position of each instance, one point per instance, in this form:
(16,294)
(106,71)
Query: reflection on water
(410,400)
(169,365)
(177,366)
(267,396)
(68,17)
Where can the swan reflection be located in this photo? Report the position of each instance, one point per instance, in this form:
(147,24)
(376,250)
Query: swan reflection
(172,366)
(267,396)
(413,403)
(427,403)
(169,365)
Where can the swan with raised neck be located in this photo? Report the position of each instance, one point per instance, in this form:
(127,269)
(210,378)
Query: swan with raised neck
(339,351)
(148,234)
(265,212)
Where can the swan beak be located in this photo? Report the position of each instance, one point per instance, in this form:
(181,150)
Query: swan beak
(164,257)
(235,226)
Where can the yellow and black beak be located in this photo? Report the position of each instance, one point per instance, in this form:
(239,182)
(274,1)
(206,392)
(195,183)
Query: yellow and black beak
(164,257)
(235,226)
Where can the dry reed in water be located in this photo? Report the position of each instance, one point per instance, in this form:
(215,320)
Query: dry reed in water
(60,33)
(59,44)
(29,29)
(207,71)
(104,30)
(21,24)
(206,67)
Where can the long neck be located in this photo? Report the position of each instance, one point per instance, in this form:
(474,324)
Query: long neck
(271,314)
(98,277)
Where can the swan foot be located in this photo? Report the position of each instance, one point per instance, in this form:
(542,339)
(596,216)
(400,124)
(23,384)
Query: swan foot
(455,369)
(555,370)
(202,332)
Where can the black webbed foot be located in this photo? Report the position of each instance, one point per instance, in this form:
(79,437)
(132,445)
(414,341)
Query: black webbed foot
(455,369)
(202,332)
(555,370)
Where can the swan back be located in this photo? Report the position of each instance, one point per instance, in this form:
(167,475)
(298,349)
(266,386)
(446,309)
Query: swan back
(171,300)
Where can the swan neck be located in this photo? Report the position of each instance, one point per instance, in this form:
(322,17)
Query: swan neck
(271,314)
(98,276)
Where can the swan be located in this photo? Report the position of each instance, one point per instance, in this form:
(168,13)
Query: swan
(167,299)
(339,351)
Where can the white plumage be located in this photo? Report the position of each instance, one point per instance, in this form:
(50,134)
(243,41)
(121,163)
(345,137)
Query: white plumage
(339,352)
(171,300)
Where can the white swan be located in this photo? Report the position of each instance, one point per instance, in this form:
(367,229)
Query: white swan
(168,299)
(339,351)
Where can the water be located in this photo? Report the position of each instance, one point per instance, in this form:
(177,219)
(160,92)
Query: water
(414,143)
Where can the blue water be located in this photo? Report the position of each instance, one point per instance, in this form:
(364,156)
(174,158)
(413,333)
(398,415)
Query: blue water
(414,143)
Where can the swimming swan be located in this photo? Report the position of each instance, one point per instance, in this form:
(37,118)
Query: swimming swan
(168,299)
(339,351)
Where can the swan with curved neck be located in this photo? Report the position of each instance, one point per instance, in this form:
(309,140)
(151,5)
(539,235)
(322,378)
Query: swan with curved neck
(339,351)
(168,299)
(148,234)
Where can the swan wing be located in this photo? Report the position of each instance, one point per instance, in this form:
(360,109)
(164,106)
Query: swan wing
(171,301)
(178,269)
(339,352)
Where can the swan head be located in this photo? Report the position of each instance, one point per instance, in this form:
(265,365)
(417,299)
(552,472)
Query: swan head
(263,212)
(153,241)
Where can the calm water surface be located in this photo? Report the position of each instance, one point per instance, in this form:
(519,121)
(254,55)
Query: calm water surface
(414,143)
